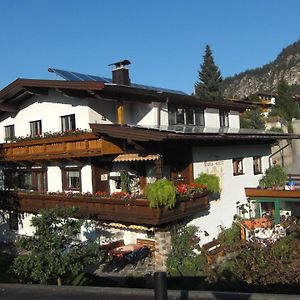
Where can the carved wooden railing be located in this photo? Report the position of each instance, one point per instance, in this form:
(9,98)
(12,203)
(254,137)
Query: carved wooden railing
(135,211)
(79,145)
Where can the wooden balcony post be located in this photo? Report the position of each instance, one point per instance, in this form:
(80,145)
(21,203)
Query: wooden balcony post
(120,113)
(158,168)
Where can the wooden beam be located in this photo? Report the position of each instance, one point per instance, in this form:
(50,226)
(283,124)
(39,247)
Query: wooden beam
(120,113)
(37,90)
(8,108)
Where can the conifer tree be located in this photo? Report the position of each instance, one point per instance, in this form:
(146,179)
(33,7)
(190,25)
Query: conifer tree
(285,105)
(209,85)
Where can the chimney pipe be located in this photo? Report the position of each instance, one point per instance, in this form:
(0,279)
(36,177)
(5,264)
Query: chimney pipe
(120,73)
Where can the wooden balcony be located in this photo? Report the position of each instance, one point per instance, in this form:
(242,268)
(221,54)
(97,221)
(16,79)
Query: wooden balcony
(107,209)
(265,193)
(69,146)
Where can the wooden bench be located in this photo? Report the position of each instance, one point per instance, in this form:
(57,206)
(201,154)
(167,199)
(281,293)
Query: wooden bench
(212,250)
(113,245)
(148,243)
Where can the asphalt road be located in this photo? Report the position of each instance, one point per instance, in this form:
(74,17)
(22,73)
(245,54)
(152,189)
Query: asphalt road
(33,292)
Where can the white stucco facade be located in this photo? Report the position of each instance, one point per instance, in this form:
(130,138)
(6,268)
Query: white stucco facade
(218,160)
(214,159)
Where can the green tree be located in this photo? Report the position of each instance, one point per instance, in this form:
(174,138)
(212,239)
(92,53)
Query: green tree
(53,253)
(285,106)
(209,85)
(183,260)
(252,118)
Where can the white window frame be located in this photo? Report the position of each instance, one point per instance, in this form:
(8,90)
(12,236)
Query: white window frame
(35,128)
(9,132)
(67,123)
(174,111)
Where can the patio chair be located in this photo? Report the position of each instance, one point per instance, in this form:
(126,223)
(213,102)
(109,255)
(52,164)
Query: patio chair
(137,255)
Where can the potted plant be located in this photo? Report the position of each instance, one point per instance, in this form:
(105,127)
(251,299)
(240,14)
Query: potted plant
(162,192)
(212,182)
(188,191)
(275,178)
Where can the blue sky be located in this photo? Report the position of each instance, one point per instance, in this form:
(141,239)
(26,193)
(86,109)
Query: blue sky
(164,39)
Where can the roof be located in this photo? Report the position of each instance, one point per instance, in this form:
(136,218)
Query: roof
(75,76)
(22,89)
(193,133)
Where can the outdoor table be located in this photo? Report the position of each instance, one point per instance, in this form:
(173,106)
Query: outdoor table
(124,250)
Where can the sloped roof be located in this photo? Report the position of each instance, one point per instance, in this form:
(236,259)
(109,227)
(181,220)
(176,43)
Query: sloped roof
(192,133)
(22,89)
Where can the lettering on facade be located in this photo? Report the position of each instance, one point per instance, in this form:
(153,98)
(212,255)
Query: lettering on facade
(104,177)
(213,163)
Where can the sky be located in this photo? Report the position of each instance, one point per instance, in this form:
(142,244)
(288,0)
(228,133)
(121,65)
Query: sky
(164,39)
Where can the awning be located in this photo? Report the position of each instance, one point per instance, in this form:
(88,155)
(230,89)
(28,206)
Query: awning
(128,227)
(135,157)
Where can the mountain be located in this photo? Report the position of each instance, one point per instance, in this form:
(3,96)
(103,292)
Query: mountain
(266,78)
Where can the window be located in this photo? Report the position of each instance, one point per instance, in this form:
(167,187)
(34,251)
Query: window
(237,166)
(186,116)
(224,119)
(71,179)
(13,221)
(9,132)
(257,168)
(68,123)
(36,128)
(27,179)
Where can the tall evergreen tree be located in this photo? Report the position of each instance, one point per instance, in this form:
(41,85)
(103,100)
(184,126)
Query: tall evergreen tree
(285,106)
(209,85)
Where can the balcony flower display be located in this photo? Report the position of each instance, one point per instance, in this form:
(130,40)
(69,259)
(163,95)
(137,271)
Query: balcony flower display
(190,189)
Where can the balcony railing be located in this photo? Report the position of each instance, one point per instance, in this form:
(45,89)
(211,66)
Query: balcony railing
(271,193)
(78,145)
(135,211)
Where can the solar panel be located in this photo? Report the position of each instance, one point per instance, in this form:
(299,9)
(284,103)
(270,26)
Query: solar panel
(75,76)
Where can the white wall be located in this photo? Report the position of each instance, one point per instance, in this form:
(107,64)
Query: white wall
(48,109)
(25,227)
(86,179)
(212,117)
(54,179)
(234,119)
(218,160)
(142,114)
(102,111)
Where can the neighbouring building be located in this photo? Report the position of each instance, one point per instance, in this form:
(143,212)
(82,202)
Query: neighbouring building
(78,134)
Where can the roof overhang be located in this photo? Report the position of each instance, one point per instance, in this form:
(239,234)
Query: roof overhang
(22,89)
(159,134)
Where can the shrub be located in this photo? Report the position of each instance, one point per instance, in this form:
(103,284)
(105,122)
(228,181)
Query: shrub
(161,193)
(183,260)
(276,129)
(230,238)
(210,180)
(275,177)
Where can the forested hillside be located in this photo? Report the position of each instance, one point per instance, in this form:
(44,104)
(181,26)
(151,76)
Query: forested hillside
(265,79)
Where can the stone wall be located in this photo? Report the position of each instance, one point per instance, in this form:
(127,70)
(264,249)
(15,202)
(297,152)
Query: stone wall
(162,248)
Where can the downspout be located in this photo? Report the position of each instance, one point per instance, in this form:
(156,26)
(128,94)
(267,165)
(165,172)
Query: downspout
(279,150)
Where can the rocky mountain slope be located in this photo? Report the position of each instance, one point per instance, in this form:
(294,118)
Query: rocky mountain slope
(266,78)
